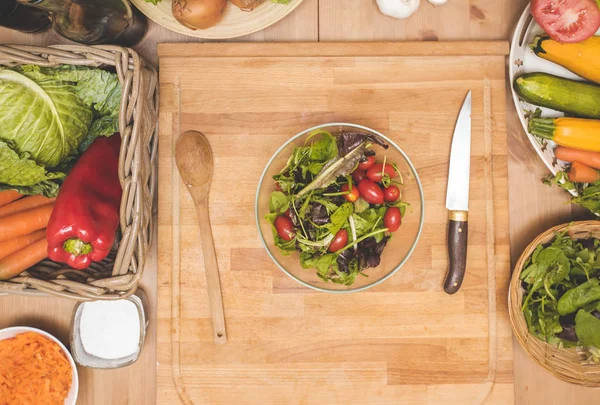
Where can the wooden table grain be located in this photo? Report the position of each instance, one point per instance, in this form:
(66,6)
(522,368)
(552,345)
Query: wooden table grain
(533,206)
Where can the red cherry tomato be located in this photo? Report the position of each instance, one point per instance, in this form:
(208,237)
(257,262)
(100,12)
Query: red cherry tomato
(370,192)
(358,175)
(288,214)
(392,219)
(285,228)
(352,195)
(339,241)
(391,193)
(367,163)
(567,20)
(375,172)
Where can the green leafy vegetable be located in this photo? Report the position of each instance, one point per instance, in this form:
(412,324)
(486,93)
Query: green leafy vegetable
(587,327)
(560,279)
(579,297)
(588,196)
(47,117)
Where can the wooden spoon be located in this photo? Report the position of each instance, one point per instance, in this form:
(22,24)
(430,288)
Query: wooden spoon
(195,163)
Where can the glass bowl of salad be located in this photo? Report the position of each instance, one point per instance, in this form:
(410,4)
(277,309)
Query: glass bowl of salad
(339,207)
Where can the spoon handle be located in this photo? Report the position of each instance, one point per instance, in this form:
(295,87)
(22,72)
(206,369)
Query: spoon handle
(213,283)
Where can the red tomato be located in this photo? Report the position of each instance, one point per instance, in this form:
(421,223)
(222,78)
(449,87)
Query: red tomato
(287,213)
(352,195)
(358,175)
(392,219)
(567,20)
(285,228)
(391,193)
(370,192)
(367,163)
(375,172)
(339,241)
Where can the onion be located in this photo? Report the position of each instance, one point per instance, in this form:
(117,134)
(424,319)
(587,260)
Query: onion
(398,8)
(198,14)
(247,5)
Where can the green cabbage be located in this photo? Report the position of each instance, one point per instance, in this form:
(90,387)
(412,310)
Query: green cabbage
(48,116)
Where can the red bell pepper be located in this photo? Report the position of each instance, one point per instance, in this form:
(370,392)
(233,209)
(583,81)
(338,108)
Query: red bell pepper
(82,226)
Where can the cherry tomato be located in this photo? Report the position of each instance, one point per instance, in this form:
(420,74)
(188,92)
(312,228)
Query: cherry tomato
(391,193)
(374,173)
(370,192)
(339,241)
(367,163)
(284,227)
(358,175)
(392,219)
(288,214)
(353,195)
(567,20)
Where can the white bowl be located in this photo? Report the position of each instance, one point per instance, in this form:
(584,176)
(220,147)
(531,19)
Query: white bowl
(17,330)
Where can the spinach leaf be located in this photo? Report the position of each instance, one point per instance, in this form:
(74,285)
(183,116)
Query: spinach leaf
(340,217)
(587,327)
(279,202)
(580,296)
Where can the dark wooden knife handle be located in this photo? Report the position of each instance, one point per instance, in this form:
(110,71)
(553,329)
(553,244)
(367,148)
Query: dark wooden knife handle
(458,233)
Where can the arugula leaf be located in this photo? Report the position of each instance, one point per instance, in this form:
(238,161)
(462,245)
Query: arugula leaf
(588,196)
(340,217)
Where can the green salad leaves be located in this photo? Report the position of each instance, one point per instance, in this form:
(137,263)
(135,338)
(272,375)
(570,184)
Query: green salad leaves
(561,301)
(312,201)
(48,116)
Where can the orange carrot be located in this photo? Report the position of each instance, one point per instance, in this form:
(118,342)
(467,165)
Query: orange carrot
(24,204)
(581,173)
(24,222)
(16,263)
(33,370)
(14,245)
(8,196)
(591,159)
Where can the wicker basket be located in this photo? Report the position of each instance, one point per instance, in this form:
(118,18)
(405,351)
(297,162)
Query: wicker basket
(570,365)
(118,275)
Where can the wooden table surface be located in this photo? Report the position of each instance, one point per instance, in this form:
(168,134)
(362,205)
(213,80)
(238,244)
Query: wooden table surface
(533,206)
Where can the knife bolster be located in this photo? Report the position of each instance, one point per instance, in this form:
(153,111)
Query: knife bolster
(458,216)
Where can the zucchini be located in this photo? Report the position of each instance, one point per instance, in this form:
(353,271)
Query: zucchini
(582,58)
(572,97)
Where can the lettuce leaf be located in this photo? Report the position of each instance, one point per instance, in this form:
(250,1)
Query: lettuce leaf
(45,119)
(18,171)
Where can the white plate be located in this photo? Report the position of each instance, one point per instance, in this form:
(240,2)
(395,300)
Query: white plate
(523,60)
(17,330)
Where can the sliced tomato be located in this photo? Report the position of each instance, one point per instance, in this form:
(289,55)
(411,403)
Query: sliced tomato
(567,20)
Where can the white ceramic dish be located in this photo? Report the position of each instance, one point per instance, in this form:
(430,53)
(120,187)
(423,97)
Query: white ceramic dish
(16,330)
(523,60)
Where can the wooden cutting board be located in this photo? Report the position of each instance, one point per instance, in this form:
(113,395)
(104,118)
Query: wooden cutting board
(404,341)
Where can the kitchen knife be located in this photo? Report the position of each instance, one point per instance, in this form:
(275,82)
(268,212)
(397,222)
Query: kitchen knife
(457,199)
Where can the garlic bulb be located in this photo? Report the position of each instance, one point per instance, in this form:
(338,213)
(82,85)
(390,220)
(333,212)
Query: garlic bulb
(438,2)
(398,8)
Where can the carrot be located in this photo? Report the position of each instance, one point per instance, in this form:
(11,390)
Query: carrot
(16,263)
(33,370)
(24,204)
(8,196)
(24,222)
(14,245)
(591,159)
(581,173)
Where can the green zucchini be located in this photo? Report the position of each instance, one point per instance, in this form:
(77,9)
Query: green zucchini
(572,97)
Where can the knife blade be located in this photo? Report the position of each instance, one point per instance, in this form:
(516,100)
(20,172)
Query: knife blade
(457,199)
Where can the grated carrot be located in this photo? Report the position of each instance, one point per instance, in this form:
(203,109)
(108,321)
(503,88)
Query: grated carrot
(33,370)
